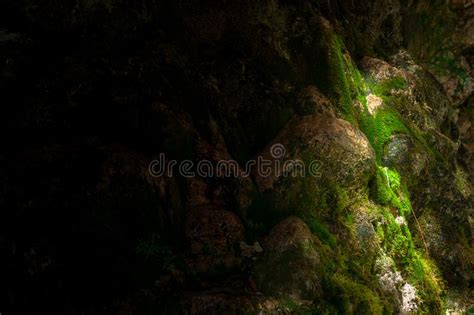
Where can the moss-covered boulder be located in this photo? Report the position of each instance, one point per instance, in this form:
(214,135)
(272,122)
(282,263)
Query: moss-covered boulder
(406,155)
(364,219)
(323,163)
(404,86)
(291,265)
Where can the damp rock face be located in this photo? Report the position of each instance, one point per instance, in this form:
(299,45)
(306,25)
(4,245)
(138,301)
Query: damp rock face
(364,219)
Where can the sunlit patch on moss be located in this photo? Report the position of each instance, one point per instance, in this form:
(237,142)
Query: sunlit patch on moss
(378,129)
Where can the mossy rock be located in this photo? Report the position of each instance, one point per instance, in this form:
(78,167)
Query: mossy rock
(364,216)
(405,92)
(344,158)
(291,265)
(406,155)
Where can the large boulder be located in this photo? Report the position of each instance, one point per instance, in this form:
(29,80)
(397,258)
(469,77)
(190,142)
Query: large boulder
(212,234)
(291,264)
(318,163)
(343,151)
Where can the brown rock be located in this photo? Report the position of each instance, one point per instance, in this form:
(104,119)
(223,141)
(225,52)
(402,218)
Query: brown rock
(312,101)
(288,234)
(345,154)
(212,234)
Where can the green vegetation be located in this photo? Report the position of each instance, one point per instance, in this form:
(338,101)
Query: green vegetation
(339,80)
(355,297)
(390,191)
(388,187)
(384,88)
(321,231)
(289,304)
(386,120)
(380,127)
(324,205)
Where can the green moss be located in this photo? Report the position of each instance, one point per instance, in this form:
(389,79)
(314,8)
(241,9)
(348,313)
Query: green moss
(388,190)
(319,201)
(289,304)
(393,178)
(354,297)
(321,231)
(395,238)
(462,182)
(381,190)
(387,121)
(380,233)
(384,88)
(398,243)
(342,199)
(339,68)
(380,127)
(350,86)
(424,274)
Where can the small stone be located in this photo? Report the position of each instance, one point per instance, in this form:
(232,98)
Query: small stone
(373,103)
(400,220)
